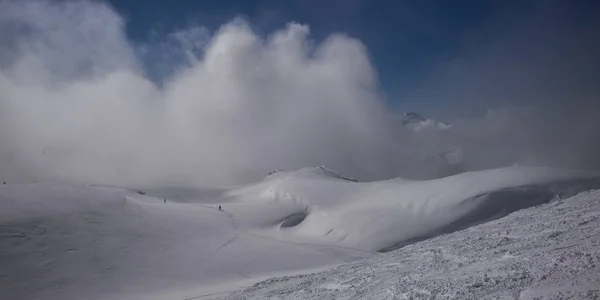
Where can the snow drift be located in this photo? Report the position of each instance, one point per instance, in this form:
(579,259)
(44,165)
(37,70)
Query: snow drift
(70,242)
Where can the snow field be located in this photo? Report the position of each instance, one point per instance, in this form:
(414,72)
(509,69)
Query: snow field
(97,242)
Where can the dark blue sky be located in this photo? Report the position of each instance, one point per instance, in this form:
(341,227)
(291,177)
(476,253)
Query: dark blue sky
(415,45)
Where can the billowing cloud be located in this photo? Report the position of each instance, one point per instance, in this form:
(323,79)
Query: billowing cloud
(77,105)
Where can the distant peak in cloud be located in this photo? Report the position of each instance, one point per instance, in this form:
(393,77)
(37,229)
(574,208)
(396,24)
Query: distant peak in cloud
(417,122)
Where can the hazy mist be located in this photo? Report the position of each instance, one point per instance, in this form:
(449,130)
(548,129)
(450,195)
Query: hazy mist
(76,105)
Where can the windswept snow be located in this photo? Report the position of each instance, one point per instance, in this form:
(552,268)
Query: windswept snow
(379,215)
(546,252)
(94,242)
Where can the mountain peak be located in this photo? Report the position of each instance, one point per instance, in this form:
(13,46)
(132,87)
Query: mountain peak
(417,122)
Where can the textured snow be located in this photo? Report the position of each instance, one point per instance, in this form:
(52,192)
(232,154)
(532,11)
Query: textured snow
(546,252)
(99,242)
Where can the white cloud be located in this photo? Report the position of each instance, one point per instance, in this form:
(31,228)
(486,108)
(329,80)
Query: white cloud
(78,108)
(75,105)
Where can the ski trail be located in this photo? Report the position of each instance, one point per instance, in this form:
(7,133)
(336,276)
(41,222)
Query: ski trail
(236,227)
(238,230)
(226,244)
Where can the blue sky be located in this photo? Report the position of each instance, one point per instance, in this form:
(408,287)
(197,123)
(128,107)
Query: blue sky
(413,44)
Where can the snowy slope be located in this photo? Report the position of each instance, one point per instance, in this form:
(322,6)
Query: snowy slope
(93,242)
(546,252)
(63,242)
(376,216)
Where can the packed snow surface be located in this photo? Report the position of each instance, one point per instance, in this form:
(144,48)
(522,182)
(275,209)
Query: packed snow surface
(99,242)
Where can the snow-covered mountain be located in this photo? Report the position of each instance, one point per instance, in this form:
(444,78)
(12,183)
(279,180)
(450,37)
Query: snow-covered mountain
(97,242)
(417,122)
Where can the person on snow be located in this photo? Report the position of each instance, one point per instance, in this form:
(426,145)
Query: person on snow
(220,207)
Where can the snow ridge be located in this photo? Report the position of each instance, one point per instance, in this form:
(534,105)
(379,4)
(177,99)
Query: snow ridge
(321,172)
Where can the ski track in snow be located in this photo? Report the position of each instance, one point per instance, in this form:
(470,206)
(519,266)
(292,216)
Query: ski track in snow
(311,246)
(546,252)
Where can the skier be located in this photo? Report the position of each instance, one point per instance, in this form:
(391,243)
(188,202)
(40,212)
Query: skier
(220,207)
(165,200)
